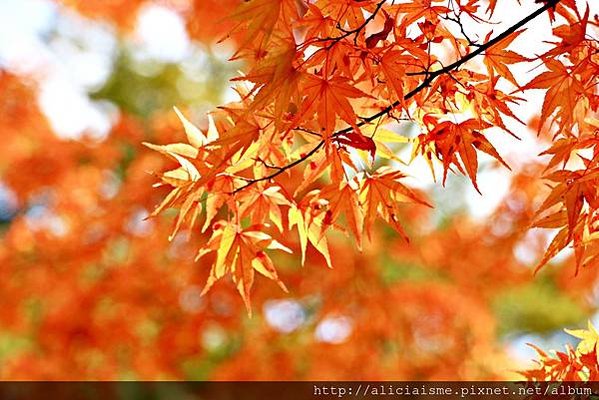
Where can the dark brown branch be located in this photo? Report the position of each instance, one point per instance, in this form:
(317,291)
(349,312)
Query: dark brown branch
(261,161)
(302,129)
(425,83)
(457,18)
(283,169)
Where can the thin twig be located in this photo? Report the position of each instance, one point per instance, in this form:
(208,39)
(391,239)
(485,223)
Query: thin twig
(346,33)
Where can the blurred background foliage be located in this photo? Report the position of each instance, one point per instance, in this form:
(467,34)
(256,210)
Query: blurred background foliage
(90,289)
(143,87)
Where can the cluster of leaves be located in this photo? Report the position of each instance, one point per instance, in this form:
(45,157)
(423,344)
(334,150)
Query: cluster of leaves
(580,364)
(326,80)
(569,114)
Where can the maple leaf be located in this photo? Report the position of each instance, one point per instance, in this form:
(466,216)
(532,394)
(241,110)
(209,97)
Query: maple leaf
(372,40)
(461,139)
(220,189)
(241,252)
(561,151)
(572,34)
(186,192)
(348,13)
(183,154)
(344,199)
(563,91)
(258,19)
(490,103)
(417,9)
(195,136)
(310,226)
(381,195)
(328,98)
(491,7)
(497,58)
(318,25)
(262,203)
(357,141)
(315,169)
(394,64)
(589,338)
(559,242)
(239,137)
(572,191)
(382,137)
(276,79)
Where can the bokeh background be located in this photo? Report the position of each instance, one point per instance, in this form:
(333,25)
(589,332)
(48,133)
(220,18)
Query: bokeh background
(91,289)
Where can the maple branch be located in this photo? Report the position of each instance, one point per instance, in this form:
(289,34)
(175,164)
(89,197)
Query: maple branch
(282,169)
(302,129)
(458,20)
(431,76)
(456,64)
(261,161)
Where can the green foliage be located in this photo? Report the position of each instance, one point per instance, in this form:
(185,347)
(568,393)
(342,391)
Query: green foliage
(141,87)
(537,307)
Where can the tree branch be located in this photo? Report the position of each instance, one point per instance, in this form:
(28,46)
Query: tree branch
(425,83)
(282,169)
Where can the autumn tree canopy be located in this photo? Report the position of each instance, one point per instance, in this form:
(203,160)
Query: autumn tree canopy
(129,262)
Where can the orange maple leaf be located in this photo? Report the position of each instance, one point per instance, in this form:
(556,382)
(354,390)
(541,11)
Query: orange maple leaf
(241,252)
